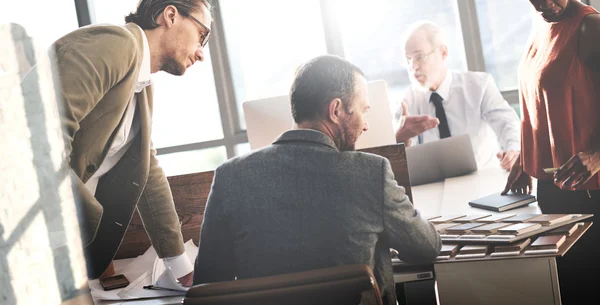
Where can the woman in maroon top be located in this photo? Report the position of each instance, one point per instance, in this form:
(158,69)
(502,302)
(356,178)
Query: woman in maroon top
(559,87)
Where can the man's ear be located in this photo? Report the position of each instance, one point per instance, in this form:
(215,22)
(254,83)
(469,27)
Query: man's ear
(335,110)
(168,16)
(444,50)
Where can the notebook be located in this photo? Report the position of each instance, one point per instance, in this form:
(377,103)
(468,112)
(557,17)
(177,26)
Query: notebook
(472,251)
(564,230)
(546,245)
(463,228)
(446,218)
(551,219)
(519,228)
(496,218)
(499,203)
(441,227)
(548,242)
(471,218)
(522,218)
(490,228)
(448,250)
(517,246)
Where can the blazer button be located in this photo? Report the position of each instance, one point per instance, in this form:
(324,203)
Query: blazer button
(91,168)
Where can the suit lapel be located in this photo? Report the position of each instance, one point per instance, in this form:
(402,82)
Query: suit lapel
(144,99)
(144,107)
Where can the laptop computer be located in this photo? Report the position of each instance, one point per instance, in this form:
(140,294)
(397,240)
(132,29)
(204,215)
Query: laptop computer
(268,118)
(441,159)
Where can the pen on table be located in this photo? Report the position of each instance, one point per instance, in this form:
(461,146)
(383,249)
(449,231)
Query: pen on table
(162,288)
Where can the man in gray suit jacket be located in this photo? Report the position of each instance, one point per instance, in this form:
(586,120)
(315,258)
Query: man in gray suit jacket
(308,200)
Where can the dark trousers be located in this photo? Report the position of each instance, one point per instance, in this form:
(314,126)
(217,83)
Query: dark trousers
(579,269)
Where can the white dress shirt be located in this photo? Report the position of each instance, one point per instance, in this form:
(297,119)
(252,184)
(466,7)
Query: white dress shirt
(473,106)
(180,264)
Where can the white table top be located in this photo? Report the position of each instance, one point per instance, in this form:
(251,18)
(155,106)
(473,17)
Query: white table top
(452,196)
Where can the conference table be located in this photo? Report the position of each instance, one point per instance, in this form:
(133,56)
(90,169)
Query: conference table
(527,280)
(522,280)
(452,195)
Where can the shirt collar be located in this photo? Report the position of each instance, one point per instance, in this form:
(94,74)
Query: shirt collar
(144,76)
(305,135)
(444,88)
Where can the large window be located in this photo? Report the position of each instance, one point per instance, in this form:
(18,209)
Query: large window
(266,41)
(372,35)
(256,47)
(185,107)
(111,11)
(192,161)
(40,18)
(503,42)
(28,28)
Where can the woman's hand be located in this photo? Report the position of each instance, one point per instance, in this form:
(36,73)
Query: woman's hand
(518,181)
(578,170)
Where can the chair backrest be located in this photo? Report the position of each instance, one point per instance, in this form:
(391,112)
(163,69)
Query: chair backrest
(190,193)
(336,285)
(396,154)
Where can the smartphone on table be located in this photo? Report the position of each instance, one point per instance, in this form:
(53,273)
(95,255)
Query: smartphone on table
(114,282)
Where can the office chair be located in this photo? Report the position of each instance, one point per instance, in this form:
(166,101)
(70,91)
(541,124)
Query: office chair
(337,285)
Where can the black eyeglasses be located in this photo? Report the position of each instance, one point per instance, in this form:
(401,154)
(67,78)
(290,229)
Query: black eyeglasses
(203,37)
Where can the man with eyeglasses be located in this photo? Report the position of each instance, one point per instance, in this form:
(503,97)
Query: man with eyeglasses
(104,74)
(454,102)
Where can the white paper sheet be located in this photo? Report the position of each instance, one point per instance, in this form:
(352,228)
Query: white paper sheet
(144,270)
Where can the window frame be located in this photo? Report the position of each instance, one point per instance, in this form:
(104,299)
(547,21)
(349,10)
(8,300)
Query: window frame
(233,134)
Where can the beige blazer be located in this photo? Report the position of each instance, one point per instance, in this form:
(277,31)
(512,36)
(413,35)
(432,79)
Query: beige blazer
(98,67)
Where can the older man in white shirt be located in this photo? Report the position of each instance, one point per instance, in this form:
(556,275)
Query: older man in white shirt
(455,102)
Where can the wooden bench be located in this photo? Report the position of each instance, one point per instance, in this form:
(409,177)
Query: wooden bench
(190,193)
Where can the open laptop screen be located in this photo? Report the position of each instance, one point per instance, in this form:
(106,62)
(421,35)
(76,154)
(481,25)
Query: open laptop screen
(438,160)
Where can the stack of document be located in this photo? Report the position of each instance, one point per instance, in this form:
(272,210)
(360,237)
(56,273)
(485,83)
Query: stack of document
(145,270)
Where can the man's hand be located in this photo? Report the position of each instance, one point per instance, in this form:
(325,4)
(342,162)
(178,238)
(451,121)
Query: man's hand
(187,279)
(518,181)
(413,125)
(578,170)
(507,158)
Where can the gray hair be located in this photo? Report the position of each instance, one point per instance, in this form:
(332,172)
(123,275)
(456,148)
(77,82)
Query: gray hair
(148,11)
(319,81)
(433,32)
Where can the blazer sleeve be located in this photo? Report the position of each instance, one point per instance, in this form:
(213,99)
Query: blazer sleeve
(215,261)
(85,72)
(414,237)
(157,211)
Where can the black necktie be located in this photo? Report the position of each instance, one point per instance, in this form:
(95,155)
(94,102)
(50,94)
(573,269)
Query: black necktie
(440,114)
